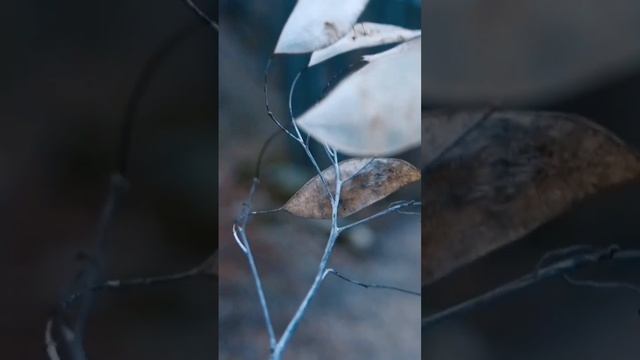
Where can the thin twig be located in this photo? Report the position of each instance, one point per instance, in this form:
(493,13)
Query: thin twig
(334,197)
(291,90)
(324,263)
(270,113)
(239,227)
(563,252)
(299,137)
(360,170)
(206,268)
(339,75)
(312,158)
(49,341)
(239,231)
(611,253)
(202,14)
(263,151)
(240,224)
(329,152)
(93,273)
(602,284)
(368,285)
(394,207)
(485,116)
(141,88)
(239,241)
(143,281)
(403,212)
(270,211)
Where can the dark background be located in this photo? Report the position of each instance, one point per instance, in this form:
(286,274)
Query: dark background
(571,55)
(67,69)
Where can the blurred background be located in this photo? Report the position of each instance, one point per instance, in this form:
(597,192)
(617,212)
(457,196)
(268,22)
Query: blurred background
(344,321)
(68,69)
(579,56)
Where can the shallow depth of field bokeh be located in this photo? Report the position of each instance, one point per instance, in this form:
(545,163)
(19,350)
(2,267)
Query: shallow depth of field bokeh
(68,69)
(558,55)
(344,321)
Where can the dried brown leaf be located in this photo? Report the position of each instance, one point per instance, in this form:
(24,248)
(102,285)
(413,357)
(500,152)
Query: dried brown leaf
(366,181)
(493,177)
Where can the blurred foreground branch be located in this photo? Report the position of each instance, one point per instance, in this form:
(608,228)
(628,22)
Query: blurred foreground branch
(207,268)
(67,325)
(561,267)
(202,14)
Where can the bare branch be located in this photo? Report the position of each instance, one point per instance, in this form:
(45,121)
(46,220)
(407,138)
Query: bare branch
(49,342)
(393,208)
(243,241)
(202,14)
(485,115)
(141,87)
(206,268)
(291,90)
(612,253)
(324,263)
(564,252)
(270,113)
(238,240)
(368,285)
(334,197)
(603,284)
(93,273)
(270,211)
(263,150)
(305,143)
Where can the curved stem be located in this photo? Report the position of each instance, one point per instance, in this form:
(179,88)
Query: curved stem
(263,151)
(141,88)
(368,285)
(202,14)
(204,269)
(291,90)
(243,242)
(395,207)
(611,253)
(270,113)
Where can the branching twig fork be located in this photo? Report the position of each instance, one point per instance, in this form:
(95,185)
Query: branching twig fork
(93,272)
(561,267)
